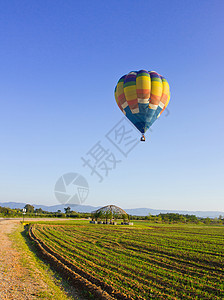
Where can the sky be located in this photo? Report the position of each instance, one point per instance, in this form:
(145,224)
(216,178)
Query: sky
(60,62)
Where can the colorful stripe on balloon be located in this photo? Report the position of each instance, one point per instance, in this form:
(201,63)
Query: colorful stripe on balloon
(142,96)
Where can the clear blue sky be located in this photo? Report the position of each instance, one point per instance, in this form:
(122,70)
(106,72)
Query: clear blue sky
(60,62)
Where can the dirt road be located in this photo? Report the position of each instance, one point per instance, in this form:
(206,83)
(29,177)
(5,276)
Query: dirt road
(15,282)
(18,282)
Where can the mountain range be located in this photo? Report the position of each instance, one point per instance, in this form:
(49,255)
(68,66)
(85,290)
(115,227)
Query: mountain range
(130,211)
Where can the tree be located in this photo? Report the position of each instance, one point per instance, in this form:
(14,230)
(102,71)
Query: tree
(150,218)
(207,220)
(159,219)
(115,216)
(92,216)
(39,210)
(98,215)
(107,214)
(220,219)
(29,208)
(67,210)
(124,217)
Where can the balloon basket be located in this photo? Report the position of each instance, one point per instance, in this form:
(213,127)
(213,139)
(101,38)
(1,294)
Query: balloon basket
(142,138)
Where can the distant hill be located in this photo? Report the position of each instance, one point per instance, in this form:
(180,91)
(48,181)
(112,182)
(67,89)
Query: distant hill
(132,211)
(147,211)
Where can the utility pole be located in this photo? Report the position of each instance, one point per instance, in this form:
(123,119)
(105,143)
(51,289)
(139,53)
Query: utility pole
(24,212)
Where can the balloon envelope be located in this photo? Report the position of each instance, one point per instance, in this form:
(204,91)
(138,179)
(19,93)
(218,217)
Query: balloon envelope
(142,96)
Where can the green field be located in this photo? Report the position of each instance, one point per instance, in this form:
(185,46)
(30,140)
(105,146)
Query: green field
(144,261)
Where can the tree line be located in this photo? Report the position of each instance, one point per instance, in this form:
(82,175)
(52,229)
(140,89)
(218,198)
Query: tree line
(108,215)
(30,211)
(180,218)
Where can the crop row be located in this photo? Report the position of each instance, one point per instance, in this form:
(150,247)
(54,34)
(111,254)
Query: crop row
(134,267)
(162,261)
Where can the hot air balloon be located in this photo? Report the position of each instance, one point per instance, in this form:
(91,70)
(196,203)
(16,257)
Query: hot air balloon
(142,96)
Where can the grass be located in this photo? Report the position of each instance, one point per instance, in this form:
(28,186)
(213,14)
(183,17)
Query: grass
(56,287)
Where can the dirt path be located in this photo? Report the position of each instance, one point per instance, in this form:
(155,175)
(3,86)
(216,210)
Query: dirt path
(18,282)
(14,278)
